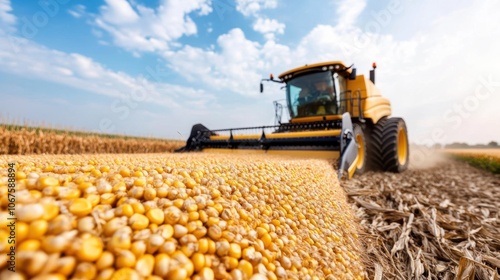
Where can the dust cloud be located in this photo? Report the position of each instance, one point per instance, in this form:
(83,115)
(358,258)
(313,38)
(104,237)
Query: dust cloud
(425,158)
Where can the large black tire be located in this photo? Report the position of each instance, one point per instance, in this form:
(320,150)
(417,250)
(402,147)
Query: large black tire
(375,143)
(394,149)
(361,140)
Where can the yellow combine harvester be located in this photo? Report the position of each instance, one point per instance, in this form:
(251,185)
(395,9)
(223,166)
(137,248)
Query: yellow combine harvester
(334,114)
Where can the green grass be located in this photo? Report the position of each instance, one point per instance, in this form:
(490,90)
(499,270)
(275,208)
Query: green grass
(485,162)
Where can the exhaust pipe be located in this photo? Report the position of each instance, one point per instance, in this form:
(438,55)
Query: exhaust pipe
(372,73)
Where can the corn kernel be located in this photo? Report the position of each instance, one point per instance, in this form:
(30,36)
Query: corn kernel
(145,265)
(104,261)
(94,199)
(125,273)
(119,242)
(48,182)
(30,212)
(80,207)
(140,182)
(125,210)
(66,265)
(37,229)
(108,198)
(106,274)
(207,273)
(156,216)
(230,263)
(178,273)
(138,221)
(235,251)
(149,194)
(50,211)
(125,259)
(20,175)
(125,172)
(29,245)
(162,264)
(22,231)
(91,249)
(138,208)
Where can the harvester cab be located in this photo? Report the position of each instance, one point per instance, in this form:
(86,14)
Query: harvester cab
(334,114)
(311,95)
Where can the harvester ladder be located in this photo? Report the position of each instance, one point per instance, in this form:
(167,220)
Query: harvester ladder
(352,104)
(357,100)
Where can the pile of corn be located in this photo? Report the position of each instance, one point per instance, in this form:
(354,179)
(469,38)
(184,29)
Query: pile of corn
(194,216)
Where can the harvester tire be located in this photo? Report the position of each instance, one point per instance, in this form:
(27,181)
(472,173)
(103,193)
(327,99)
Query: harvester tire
(375,143)
(394,150)
(361,140)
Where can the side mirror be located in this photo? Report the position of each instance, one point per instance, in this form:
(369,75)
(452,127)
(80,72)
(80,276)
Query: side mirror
(352,76)
(261,87)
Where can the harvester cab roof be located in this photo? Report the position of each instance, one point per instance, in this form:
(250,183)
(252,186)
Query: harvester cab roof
(337,66)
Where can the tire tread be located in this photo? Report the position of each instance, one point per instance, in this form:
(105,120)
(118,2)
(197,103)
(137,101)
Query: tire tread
(389,146)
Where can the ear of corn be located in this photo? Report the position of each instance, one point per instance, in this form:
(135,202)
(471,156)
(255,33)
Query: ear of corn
(180,217)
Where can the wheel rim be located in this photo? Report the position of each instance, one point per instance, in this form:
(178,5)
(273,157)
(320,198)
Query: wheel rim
(402,146)
(361,151)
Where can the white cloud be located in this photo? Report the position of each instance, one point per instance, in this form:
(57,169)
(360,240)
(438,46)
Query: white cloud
(138,28)
(64,71)
(81,72)
(78,11)
(85,66)
(7,19)
(348,12)
(269,27)
(238,66)
(119,12)
(252,7)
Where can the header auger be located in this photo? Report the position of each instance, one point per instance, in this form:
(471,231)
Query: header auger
(334,114)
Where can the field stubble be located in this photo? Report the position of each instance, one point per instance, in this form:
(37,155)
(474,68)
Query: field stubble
(438,220)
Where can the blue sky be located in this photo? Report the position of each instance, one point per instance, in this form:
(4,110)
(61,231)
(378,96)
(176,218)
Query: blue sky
(155,68)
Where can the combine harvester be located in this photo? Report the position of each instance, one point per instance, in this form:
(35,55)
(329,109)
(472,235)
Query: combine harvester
(334,114)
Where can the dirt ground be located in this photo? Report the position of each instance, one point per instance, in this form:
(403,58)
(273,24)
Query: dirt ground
(438,220)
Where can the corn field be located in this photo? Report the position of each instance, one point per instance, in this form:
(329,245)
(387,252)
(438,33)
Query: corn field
(486,159)
(25,140)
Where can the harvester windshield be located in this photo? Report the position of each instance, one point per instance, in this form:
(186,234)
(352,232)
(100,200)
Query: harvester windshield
(313,94)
